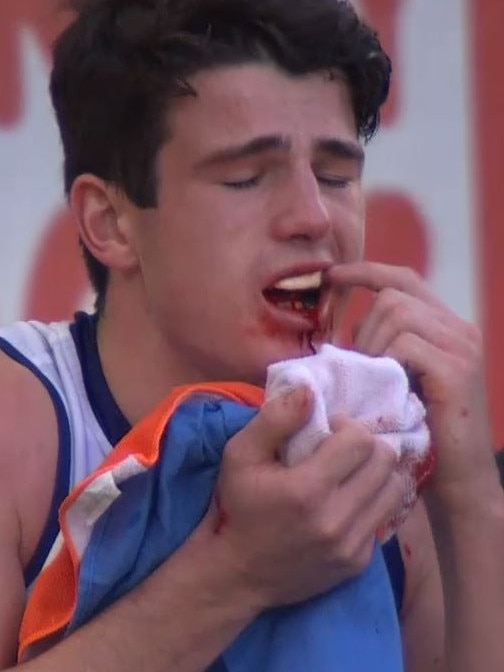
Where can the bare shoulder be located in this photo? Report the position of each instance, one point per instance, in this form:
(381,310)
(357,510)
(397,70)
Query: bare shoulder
(28,454)
(11,581)
(422,617)
(28,450)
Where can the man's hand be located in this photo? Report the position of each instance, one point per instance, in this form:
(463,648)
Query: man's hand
(293,532)
(444,354)
(464,501)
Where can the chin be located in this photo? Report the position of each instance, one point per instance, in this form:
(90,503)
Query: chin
(280,352)
(251,366)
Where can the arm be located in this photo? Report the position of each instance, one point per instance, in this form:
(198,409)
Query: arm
(469,550)
(318,519)
(469,536)
(422,614)
(181,604)
(27,469)
(11,581)
(180,619)
(465,504)
(140,627)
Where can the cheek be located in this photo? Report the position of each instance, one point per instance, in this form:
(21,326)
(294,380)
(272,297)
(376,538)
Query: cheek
(360,242)
(350,232)
(359,227)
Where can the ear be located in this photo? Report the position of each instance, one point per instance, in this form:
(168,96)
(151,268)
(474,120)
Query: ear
(103,220)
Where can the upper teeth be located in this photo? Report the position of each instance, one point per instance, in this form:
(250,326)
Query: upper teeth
(300,282)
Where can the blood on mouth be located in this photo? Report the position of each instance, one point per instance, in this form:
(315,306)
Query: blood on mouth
(305,303)
(306,338)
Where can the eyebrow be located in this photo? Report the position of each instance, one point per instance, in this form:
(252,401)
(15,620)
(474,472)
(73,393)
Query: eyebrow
(255,147)
(341,149)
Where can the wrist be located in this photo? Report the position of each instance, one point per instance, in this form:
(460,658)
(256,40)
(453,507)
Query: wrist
(195,596)
(476,503)
(218,576)
(467,490)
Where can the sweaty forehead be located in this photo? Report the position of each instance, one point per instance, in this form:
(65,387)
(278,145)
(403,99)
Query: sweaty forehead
(239,102)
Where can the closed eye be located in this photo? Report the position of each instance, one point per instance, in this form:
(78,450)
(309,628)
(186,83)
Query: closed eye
(333,181)
(249,183)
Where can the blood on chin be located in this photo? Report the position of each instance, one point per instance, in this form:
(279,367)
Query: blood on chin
(293,342)
(274,337)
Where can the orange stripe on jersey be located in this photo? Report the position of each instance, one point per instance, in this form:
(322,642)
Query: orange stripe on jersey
(54,598)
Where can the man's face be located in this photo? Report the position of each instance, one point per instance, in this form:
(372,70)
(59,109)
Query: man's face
(260,181)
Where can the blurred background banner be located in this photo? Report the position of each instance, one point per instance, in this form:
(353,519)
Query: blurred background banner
(433,174)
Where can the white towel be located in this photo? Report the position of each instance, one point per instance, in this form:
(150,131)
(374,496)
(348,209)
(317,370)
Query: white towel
(373,390)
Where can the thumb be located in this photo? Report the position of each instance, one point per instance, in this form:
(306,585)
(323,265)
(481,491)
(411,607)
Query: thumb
(278,420)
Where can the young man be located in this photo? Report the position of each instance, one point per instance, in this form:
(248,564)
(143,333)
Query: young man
(212,149)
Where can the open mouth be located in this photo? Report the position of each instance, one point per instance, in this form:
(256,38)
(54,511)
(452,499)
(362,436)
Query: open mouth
(300,295)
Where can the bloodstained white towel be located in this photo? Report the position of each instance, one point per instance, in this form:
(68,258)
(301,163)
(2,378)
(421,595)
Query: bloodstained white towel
(373,390)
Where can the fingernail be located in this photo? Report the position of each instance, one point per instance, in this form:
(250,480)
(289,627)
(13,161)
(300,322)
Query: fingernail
(336,422)
(298,397)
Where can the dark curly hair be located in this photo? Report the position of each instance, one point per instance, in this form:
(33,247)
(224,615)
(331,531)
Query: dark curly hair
(119,62)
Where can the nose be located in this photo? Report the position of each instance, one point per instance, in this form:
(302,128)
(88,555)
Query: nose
(300,211)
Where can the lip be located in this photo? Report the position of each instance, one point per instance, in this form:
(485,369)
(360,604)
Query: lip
(289,320)
(297,270)
(286,319)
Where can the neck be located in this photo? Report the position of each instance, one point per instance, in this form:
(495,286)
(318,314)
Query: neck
(139,366)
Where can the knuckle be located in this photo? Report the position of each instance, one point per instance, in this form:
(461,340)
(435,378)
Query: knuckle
(332,534)
(342,553)
(362,451)
(475,335)
(398,485)
(357,444)
(391,498)
(385,455)
(363,556)
(365,442)
(304,501)
(327,535)
(268,415)
(354,553)
(467,370)
(476,359)
(359,434)
(339,422)
(390,300)
(396,491)
(403,314)
(411,275)
(350,431)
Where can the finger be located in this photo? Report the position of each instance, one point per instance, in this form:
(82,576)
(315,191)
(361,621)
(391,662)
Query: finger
(393,313)
(332,313)
(376,277)
(362,486)
(278,420)
(362,524)
(386,503)
(341,454)
(430,367)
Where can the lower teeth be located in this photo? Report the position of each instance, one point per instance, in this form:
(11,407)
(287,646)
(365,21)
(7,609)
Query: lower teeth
(291,305)
(311,312)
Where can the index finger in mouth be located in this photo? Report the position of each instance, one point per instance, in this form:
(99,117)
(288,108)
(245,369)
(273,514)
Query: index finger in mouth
(333,308)
(376,277)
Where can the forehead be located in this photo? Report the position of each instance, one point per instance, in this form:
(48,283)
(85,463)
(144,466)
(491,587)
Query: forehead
(239,102)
